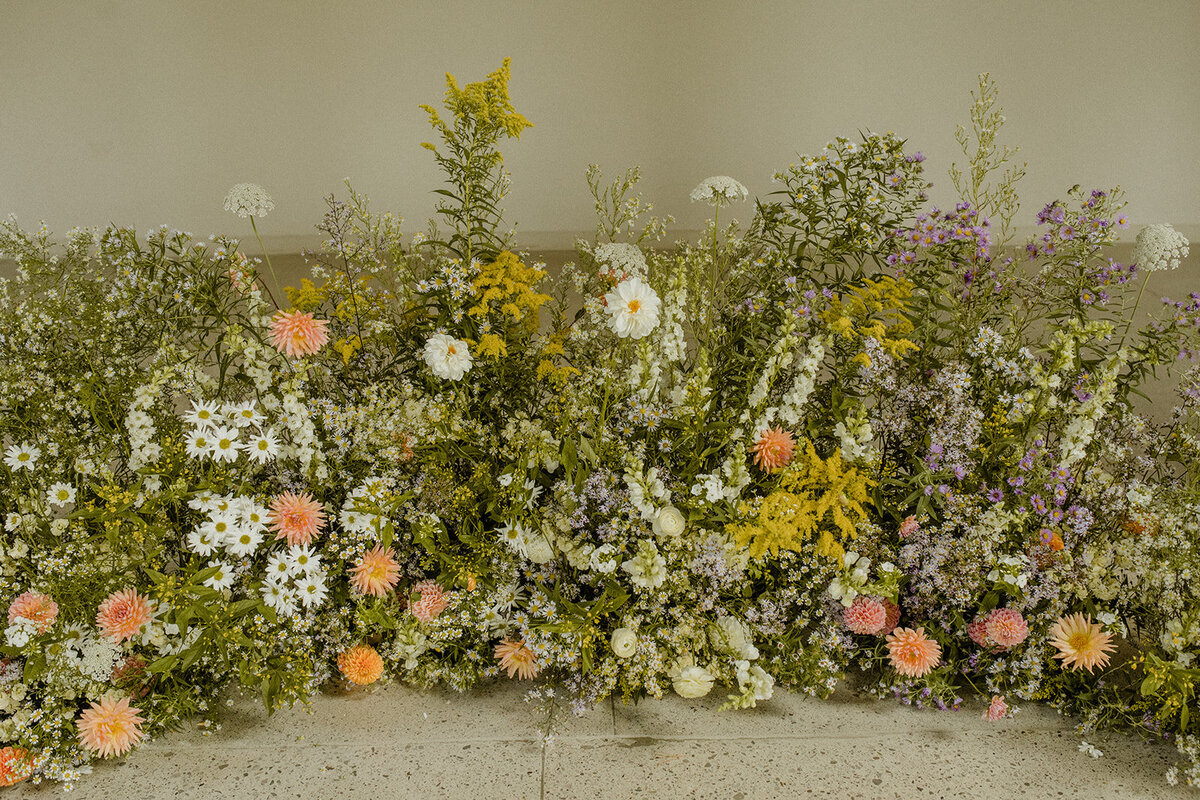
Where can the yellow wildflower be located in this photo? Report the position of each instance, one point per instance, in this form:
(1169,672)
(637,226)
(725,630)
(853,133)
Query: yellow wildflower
(491,346)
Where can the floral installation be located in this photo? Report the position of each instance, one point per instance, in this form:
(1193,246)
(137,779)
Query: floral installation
(827,444)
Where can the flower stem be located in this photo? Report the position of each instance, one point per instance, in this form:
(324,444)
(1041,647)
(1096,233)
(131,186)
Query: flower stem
(1136,305)
(267,256)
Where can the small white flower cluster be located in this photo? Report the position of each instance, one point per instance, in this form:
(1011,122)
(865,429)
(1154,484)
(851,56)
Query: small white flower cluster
(354,516)
(647,568)
(249,200)
(303,434)
(719,190)
(1081,428)
(1159,247)
(853,577)
(624,259)
(215,432)
(725,483)
(295,577)
(1011,574)
(143,451)
(235,524)
(1090,749)
(448,358)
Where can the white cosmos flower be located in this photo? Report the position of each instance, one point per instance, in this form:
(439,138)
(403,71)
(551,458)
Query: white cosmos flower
(221,579)
(632,309)
(22,456)
(719,190)
(60,494)
(225,445)
(264,447)
(249,200)
(203,415)
(447,357)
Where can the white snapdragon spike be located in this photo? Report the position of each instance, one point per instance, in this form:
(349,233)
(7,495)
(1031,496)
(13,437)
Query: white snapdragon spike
(22,456)
(202,415)
(633,309)
(60,494)
(249,200)
(719,190)
(647,569)
(1159,247)
(448,358)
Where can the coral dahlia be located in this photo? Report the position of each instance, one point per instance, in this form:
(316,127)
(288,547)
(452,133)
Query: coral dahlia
(773,450)
(298,333)
(432,601)
(376,572)
(893,617)
(1006,627)
(1081,643)
(36,608)
(998,710)
(517,658)
(110,727)
(296,517)
(361,664)
(866,615)
(122,614)
(912,653)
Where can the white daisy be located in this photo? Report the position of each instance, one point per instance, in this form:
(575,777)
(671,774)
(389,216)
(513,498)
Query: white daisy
(60,494)
(280,598)
(223,527)
(222,579)
(534,491)
(201,541)
(203,415)
(244,542)
(264,447)
(225,446)
(199,442)
(242,415)
(204,502)
(311,590)
(250,513)
(279,568)
(22,456)
(223,504)
(303,559)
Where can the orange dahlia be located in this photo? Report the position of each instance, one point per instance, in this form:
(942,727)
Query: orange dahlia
(36,608)
(913,653)
(361,664)
(517,658)
(123,614)
(15,765)
(296,517)
(297,333)
(1081,643)
(110,727)
(376,572)
(773,450)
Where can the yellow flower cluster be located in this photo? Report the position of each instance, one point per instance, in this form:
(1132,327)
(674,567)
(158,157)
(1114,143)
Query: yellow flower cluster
(549,369)
(814,500)
(486,103)
(506,285)
(874,311)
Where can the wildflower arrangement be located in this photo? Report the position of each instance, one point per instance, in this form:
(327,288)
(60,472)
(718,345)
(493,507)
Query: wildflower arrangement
(857,436)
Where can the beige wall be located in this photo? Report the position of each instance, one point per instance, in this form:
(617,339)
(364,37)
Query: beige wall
(146,112)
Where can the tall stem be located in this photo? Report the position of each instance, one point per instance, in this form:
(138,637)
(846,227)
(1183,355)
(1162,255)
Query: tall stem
(1133,314)
(267,256)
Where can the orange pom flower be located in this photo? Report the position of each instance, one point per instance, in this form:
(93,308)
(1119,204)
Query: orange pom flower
(296,517)
(110,727)
(297,333)
(376,572)
(773,450)
(432,602)
(1081,643)
(36,608)
(361,664)
(123,614)
(913,653)
(15,765)
(518,659)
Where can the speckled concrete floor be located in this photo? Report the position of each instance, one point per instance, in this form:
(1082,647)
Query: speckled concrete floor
(399,743)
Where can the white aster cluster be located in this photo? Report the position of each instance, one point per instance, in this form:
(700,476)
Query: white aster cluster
(1159,247)
(143,450)
(303,434)
(719,190)
(223,432)
(249,200)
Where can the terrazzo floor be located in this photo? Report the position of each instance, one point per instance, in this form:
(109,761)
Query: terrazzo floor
(395,742)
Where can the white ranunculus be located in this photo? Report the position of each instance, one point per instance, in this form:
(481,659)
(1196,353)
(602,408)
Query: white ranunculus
(538,547)
(669,523)
(624,642)
(447,357)
(633,309)
(692,682)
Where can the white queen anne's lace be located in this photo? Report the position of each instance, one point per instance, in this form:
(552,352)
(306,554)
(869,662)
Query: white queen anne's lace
(719,190)
(1159,247)
(249,200)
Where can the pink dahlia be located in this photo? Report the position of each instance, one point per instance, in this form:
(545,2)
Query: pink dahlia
(110,727)
(122,614)
(297,333)
(866,615)
(977,630)
(296,517)
(774,449)
(893,617)
(376,572)
(36,608)
(909,527)
(912,653)
(1006,627)
(432,601)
